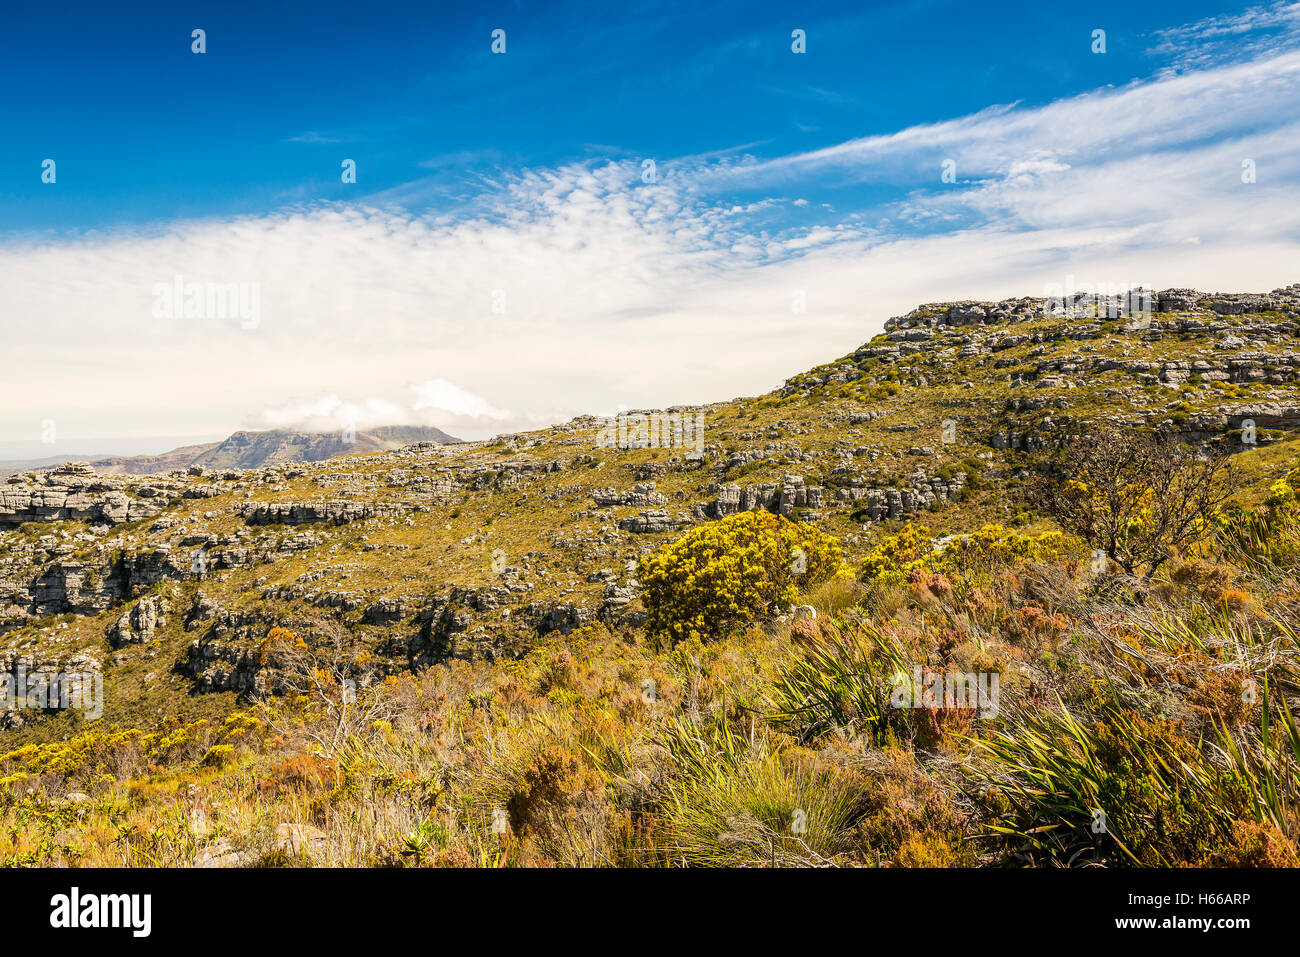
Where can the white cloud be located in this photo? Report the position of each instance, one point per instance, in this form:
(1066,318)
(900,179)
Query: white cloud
(1036,166)
(329,413)
(1236,36)
(435,402)
(314,138)
(443,396)
(621,294)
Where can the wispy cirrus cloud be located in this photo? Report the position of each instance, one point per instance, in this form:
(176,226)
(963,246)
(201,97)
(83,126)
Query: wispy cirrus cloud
(314,138)
(1213,40)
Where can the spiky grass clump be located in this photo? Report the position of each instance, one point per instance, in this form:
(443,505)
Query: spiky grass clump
(740,799)
(1121,789)
(1268,770)
(842,682)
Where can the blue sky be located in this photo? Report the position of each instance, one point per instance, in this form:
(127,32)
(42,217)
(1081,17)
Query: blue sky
(144,130)
(501,263)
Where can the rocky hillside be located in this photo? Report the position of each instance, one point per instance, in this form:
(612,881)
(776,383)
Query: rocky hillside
(248,450)
(169,583)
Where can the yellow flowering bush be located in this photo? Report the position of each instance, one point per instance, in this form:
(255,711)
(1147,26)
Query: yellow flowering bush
(99,747)
(991,547)
(733,571)
(219,755)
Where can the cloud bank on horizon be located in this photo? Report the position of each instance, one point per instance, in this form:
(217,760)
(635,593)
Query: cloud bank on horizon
(601,284)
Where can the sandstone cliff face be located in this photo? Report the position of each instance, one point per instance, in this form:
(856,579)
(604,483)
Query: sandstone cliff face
(73,491)
(306,513)
(137,626)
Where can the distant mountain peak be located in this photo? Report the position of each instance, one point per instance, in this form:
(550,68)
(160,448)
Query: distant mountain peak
(247,449)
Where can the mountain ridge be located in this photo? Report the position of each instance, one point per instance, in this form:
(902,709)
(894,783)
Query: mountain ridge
(250,449)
